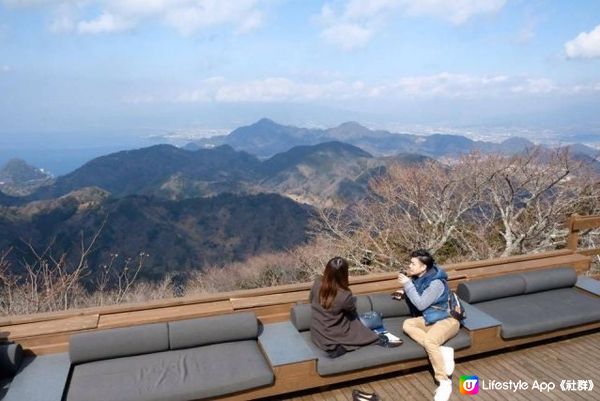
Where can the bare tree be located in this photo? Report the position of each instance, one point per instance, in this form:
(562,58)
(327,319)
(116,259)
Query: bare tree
(480,206)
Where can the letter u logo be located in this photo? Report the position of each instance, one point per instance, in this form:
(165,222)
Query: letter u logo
(469,385)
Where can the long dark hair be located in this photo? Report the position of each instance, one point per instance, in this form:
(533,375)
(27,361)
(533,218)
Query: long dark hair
(335,276)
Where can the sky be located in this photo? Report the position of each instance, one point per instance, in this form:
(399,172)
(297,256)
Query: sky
(108,72)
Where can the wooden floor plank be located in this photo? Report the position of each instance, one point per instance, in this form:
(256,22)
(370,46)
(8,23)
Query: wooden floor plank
(571,358)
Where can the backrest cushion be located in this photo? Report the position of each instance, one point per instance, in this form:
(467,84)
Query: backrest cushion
(549,279)
(213,330)
(389,307)
(300,314)
(11,356)
(491,288)
(363,304)
(115,343)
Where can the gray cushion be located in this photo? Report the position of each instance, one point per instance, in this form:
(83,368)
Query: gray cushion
(113,343)
(42,377)
(363,304)
(4,387)
(491,288)
(374,355)
(190,374)
(300,314)
(543,311)
(11,356)
(214,329)
(388,306)
(550,279)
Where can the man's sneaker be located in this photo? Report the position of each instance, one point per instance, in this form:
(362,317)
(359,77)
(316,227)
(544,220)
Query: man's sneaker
(448,357)
(443,392)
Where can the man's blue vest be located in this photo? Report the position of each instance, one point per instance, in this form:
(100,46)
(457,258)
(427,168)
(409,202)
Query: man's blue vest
(439,309)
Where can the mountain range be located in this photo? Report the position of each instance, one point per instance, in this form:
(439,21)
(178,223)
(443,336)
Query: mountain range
(322,174)
(266,138)
(215,201)
(178,236)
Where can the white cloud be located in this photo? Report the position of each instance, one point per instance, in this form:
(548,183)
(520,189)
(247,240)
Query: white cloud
(456,11)
(105,23)
(585,45)
(353,24)
(347,36)
(444,85)
(186,16)
(535,86)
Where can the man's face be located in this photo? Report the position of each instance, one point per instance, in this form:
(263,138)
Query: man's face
(416,267)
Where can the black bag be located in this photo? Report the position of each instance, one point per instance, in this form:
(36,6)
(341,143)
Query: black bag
(455,307)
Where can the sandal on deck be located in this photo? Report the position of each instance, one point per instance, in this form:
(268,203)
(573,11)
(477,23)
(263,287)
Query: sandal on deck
(358,395)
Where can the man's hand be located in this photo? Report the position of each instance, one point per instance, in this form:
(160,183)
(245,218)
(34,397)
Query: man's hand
(403,279)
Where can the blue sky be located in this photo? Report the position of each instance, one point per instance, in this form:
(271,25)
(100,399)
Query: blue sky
(87,70)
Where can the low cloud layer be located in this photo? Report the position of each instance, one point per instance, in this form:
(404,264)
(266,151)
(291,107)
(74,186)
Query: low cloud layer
(443,85)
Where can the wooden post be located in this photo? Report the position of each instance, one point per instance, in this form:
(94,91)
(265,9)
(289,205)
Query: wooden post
(573,238)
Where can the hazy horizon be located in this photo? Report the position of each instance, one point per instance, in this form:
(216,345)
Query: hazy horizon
(92,76)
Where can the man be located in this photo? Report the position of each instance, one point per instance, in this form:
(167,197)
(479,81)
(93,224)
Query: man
(426,292)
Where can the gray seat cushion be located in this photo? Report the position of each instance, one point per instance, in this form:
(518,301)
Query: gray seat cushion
(179,375)
(374,355)
(113,343)
(388,306)
(213,329)
(4,386)
(511,285)
(491,288)
(551,279)
(42,377)
(543,311)
(300,314)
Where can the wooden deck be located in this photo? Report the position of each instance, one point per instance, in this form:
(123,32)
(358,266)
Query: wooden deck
(568,359)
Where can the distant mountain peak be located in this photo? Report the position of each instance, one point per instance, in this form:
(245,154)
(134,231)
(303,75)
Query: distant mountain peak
(349,129)
(339,146)
(517,140)
(265,121)
(19,171)
(351,124)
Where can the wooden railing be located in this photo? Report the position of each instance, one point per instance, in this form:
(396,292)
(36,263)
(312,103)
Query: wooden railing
(49,332)
(578,225)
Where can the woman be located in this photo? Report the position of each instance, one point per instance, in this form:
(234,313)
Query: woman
(335,327)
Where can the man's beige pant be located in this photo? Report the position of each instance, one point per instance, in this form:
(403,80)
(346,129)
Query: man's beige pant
(431,337)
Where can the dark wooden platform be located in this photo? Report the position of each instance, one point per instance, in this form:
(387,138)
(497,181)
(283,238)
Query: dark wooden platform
(569,359)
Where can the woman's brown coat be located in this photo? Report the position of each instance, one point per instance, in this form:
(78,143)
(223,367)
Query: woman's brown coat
(339,324)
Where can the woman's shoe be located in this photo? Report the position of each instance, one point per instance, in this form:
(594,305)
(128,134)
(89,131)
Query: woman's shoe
(358,395)
(337,351)
(384,341)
